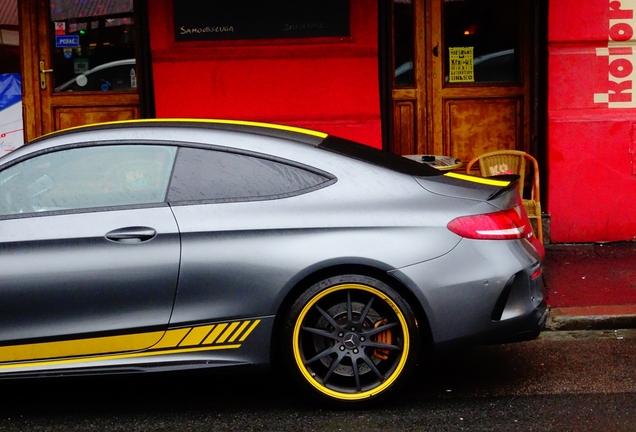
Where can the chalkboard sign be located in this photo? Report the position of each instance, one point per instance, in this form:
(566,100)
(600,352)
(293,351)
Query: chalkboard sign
(196,20)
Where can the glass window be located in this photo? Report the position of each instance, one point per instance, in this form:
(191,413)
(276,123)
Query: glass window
(206,175)
(483,39)
(9,37)
(87,177)
(93,45)
(403,40)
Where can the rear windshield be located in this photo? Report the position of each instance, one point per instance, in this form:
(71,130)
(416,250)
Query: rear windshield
(377,157)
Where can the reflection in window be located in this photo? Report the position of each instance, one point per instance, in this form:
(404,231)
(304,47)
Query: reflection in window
(87,177)
(93,45)
(491,28)
(9,37)
(209,175)
(403,40)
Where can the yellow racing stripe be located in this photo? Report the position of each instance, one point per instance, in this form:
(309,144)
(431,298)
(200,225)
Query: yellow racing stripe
(198,338)
(89,347)
(216,121)
(115,357)
(480,180)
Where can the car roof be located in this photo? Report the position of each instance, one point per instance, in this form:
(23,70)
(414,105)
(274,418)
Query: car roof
(281,133)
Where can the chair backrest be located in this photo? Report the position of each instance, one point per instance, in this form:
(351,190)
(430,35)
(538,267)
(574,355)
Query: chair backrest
(508,162)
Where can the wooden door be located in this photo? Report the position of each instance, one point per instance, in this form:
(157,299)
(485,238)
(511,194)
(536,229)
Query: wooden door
(79,63)
(483,106)
(471,77)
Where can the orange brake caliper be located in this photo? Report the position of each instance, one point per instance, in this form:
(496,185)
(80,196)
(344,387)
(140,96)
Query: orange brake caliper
(385,337)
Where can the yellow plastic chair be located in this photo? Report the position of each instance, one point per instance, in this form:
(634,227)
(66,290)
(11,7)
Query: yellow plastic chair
(514,162)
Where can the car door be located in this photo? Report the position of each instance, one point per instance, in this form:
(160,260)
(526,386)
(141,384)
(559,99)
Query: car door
(228,240)
(88,247)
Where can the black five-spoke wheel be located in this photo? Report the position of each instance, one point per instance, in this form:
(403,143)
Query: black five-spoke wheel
(351,338)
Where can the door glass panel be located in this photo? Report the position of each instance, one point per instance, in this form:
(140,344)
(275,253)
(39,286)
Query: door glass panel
(403,40)
(93,45)
(481,40)
(11,124)
(88,177)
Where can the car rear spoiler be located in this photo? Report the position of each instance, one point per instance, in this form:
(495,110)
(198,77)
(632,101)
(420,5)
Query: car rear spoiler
(469,186)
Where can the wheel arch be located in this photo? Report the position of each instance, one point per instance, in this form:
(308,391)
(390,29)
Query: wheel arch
(358,269)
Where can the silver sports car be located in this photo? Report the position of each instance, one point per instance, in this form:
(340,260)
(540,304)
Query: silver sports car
(167,245)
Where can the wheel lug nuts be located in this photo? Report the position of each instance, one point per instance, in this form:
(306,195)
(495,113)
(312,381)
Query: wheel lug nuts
(342,348)
(340,334)
(362,339)
(353,329)
(355,351)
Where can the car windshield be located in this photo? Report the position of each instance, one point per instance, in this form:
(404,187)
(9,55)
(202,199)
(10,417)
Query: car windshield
(377,157)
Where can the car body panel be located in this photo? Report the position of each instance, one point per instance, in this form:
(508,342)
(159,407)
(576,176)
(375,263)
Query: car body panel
(61,277)
(485,271)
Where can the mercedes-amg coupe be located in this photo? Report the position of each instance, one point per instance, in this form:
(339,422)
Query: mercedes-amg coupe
(180,244)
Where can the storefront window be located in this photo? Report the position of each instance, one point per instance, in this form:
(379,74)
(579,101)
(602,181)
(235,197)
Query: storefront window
(481,40)
(403,49)
(11,124)
(93,45)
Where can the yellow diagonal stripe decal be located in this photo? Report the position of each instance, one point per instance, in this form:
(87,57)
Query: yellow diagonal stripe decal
(196,335)
(215,333)
(188,339)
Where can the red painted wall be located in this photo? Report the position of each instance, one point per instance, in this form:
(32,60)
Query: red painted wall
(591,118)
(329,85)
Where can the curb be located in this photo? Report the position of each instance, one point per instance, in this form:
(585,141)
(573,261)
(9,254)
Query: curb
(592,318)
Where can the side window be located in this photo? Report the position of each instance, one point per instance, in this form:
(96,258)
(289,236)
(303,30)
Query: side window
(87,177)
(201,174)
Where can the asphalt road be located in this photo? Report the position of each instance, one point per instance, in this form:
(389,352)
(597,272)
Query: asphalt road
(576,381)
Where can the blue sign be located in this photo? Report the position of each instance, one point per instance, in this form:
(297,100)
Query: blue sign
(67,41)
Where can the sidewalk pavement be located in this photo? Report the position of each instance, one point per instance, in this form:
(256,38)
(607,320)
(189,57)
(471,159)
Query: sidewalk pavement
(591,286)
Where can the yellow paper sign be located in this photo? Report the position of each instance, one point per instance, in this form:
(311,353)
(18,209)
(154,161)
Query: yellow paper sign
(461,64)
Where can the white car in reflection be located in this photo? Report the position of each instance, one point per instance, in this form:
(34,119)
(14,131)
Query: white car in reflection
(493,67)
(119,75)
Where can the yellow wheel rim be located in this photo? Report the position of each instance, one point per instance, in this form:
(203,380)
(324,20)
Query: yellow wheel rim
(387,380)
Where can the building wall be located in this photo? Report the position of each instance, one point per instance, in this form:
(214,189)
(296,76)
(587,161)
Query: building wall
(591,120)
(329,85)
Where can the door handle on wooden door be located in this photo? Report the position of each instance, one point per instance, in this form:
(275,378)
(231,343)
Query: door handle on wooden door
(43,73)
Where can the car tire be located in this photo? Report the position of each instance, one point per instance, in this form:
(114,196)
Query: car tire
(350,340)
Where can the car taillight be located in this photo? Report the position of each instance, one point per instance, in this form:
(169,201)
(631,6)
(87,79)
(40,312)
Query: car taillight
(509,224)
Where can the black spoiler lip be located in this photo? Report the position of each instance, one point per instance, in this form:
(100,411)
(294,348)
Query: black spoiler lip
(469,186)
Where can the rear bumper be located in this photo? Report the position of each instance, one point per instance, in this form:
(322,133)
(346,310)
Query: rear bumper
(482,292)
(533,328)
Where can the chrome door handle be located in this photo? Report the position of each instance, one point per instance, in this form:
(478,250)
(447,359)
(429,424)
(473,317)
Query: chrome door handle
(131,235)
(43,73)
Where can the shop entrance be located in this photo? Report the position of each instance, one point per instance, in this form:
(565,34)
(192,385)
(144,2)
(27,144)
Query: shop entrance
(462,76)
(79,63)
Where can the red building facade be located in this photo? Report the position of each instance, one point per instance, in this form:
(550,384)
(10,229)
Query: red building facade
(329,84)
(570,100)
(591,117)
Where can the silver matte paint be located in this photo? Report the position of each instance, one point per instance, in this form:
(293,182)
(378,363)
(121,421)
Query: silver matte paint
(60,276)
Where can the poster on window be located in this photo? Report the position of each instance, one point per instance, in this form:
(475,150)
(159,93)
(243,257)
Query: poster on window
(11,126)
(461,65)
